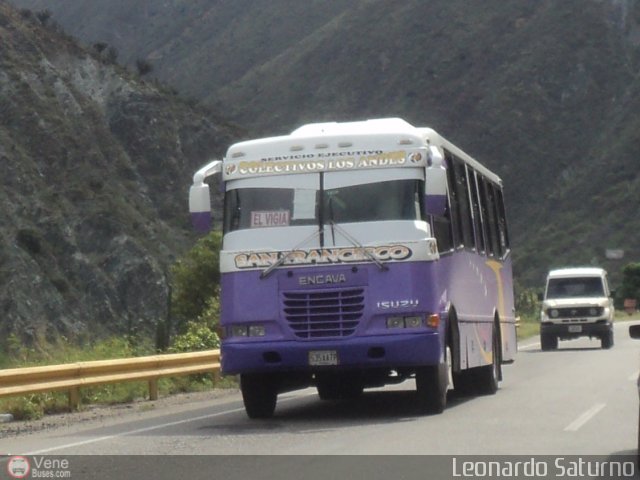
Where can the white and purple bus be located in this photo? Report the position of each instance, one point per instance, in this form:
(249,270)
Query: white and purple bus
(356,255)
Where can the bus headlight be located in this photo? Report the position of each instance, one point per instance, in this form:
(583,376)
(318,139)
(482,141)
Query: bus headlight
(238,331)
(407,321)
(247,331)
(395,322)
(256,330)
(413,321)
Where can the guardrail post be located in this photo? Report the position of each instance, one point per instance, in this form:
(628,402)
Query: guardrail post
(74,398)
(153,389)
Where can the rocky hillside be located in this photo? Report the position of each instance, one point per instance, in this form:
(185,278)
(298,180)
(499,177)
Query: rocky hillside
(545,92)
(95,166)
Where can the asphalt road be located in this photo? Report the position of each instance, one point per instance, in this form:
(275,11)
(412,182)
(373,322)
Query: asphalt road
(578,400)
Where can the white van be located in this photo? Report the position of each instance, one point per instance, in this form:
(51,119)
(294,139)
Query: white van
(577,303)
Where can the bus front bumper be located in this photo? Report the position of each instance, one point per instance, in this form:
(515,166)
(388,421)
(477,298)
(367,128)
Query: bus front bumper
(388,351)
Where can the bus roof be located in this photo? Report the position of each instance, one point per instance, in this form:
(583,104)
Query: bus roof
(328,139)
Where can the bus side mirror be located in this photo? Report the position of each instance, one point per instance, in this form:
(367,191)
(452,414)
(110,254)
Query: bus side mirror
(436,184)
(199,197)
(540,297)
(200,207)
(634,331)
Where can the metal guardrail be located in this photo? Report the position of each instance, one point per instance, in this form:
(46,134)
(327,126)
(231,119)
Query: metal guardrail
(72,376)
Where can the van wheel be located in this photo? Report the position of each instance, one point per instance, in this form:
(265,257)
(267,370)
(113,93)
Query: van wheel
(606,341)
(260,394)
(548,342)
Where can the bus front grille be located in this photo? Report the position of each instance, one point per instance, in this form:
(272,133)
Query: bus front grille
(325,314)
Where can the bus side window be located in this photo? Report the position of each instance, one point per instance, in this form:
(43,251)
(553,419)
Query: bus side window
(503,233)
(464,206)
(475,210)
(488,213)
(443,231)
(456,224)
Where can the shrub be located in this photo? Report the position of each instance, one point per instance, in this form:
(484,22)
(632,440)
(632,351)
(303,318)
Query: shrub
(195,279)
(143,67)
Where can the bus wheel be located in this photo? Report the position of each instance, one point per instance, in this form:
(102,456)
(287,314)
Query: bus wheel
(488,377)
(431,388)
(260,394)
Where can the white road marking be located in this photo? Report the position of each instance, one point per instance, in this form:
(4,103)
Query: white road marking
(531,346)
(584,418)
(133,432)
(147,429)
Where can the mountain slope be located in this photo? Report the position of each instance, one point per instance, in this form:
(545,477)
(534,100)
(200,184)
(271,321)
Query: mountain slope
(543,92)
(95,170)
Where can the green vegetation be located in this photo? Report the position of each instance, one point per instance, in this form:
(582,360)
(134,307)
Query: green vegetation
(195,278)
(194,302)
(630,286)
(35,406)
(528,311)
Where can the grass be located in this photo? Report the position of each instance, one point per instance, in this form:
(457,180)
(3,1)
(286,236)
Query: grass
(528,327)
(30,407)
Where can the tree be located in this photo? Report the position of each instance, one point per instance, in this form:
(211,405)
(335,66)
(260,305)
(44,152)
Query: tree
(195,280)
(630,287)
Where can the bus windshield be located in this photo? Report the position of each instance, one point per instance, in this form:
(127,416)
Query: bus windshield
(247,208)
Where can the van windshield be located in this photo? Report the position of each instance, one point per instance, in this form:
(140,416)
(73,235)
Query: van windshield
(574,287)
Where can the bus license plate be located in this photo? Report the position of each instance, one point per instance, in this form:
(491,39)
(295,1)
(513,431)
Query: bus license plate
(575,328)
(323,357)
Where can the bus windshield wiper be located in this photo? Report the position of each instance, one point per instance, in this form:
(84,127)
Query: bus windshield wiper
(265,273)
(357,244)
(331,222)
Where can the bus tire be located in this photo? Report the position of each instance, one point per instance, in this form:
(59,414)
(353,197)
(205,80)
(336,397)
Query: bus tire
(259,394)
(431,388)
(488,377)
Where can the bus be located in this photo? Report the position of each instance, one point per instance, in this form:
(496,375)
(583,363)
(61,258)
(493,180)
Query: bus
(360,254)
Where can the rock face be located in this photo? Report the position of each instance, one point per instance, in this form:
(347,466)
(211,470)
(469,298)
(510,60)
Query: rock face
(95,165)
